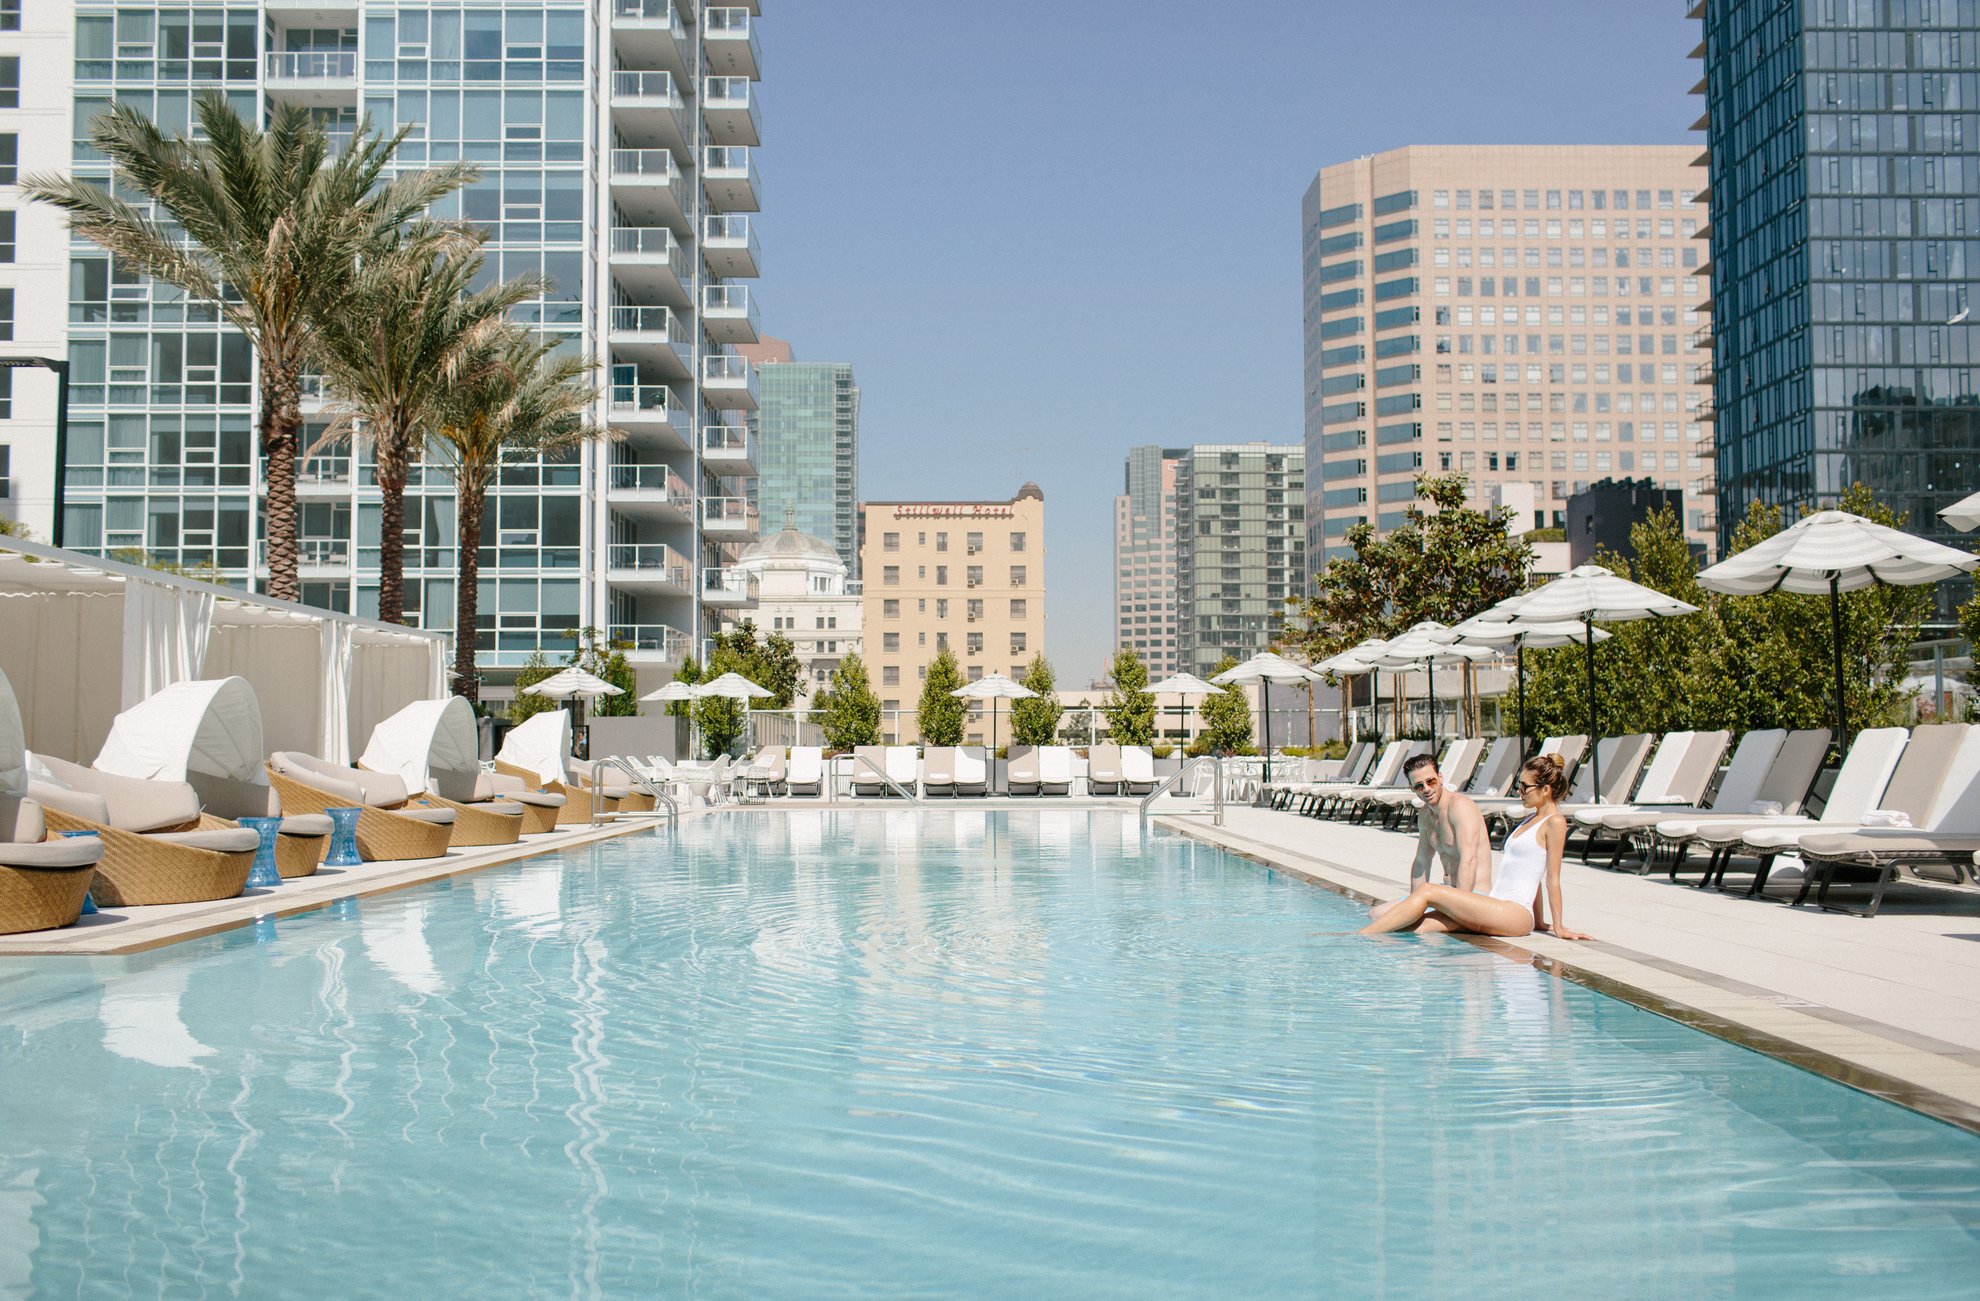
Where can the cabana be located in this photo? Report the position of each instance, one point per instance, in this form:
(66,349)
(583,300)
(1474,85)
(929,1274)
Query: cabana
(432,746)
(83,638)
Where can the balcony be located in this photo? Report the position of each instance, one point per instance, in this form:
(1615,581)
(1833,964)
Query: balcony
(324,557)
(728,313)
(646,110)
(728,40)
(728,588)
(728,383)
(646,186)
(650,33)
(650,415)
(651,334)
(648,567)
(318,78)
(650,643)
(729,519)
(728,106)
(650,262)
(728,174)
(728,449)
(729,247)
(652,492)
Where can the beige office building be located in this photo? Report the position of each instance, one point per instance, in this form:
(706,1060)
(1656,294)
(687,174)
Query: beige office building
(969,575)
(1529,315)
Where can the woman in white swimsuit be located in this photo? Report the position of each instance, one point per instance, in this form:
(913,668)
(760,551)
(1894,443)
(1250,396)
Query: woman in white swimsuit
(1532,855)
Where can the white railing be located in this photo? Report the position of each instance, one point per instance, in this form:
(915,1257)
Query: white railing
(727,442)
(644,320)
(647,164)
(651,478)
(311,65)
(646,241)
(728,510)
(651,638)
(645,402)
(645,85)
(655,560)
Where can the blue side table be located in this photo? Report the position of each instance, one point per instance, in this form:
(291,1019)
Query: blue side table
(89,900)
(264,873)
(343,839)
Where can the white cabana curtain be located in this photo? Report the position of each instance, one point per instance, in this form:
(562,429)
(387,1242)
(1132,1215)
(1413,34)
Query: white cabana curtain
(333,736)
(13,742)
(279,660)
(62,654)
(166,630)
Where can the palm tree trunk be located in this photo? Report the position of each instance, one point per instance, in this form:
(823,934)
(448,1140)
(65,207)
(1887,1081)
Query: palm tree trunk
(391,534)
(281,436)
(467,595)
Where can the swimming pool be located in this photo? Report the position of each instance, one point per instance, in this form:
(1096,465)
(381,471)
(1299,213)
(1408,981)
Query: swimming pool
(980,1053)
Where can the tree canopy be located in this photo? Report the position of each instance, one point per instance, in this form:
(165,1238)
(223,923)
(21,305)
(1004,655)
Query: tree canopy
(1130,709)
(941,714)
(1035,719)
(847,711)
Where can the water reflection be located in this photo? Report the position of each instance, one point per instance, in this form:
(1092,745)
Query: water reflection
(141,1021)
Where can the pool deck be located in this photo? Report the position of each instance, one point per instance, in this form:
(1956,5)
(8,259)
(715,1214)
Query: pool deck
(1888,1004)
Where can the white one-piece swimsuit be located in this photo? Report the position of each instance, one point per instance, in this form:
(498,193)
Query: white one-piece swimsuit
(1521,865)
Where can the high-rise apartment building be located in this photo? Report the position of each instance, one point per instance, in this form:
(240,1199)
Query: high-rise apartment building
(1525,315)
(806,427)
(968,575)
(1145,558)
(1240,544)
(615,145)
(1845,246)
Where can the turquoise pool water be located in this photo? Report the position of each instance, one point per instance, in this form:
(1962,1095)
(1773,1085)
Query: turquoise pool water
(943,1054)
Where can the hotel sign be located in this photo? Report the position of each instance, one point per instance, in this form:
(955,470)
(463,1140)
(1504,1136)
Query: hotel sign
(955,511)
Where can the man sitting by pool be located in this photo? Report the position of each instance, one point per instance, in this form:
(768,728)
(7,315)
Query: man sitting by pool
(1448,827)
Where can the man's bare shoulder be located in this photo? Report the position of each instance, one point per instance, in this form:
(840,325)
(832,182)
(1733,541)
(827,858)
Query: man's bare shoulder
(1462,808)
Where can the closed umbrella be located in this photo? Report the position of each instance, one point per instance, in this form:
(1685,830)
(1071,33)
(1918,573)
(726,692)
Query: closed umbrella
(1355,661)
(1182,685)
(994,687)
(1480,630)
(1429,644)
(1264,669)
(1834,551)
(1591,594)
(1963,514)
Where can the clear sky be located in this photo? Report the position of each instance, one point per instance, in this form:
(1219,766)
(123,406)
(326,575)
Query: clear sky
(1045,231)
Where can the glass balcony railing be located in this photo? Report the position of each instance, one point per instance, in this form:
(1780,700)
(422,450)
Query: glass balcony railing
(728,230)
(725,93)
(652,11)
(658,479)
(727,443)
(726,162)
(646,402)
(730,22)
(311,65)
(730,299)
(645,164)
(725,369)
(645,320)
(324,551)
(719,583)
(730,512)
(655,562)
(645,85)
(645,241)
(651,639)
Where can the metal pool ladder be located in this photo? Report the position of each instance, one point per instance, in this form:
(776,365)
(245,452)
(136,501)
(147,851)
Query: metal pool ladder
(639,782)
(1216,788)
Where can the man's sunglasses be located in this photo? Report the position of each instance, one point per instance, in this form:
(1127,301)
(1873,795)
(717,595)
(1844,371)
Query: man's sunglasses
(1423,785)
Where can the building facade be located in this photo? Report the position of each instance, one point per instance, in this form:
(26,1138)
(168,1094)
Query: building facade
(805,594)
(966,575)
(1145,558)
(1519,314)
(806,427)
(615,146)
(1240,548)
(1845,246)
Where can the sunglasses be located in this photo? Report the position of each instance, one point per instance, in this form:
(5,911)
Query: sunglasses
(1530,786)
(1423,785)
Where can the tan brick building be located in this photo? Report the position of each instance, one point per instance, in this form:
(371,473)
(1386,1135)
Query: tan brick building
(969,575)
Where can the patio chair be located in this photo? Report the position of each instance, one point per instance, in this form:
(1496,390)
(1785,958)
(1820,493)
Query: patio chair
(1619,757)
(904,766)
(1351,767)
(1316,797)
(765,772)
(1390,803)
(972,772)
(1493,777)
(939,771)
(389,829)
(1055,770)
(1388,775)
(1859,785)
(1944,855)
(157,847)
(1021,777)
(1677,777)
(42,881)
(1738,788)
(1103,771)
(805,774)
(303,839)
(869,763)
(620,795)
(432,747)
(1138,770)
(1782,791)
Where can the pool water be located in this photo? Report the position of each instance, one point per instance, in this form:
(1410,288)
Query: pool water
(969,1053)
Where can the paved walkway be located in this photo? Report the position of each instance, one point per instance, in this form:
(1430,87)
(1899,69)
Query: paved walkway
(1890,1004)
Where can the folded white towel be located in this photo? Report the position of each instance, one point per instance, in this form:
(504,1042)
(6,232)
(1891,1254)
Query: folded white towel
(1765,808)
(1886,818)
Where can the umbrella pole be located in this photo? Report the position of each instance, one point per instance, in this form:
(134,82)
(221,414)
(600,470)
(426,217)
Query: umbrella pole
(1375,704)
(1519,673)
(1836,637)
(1594,737)
(1430,668)
(1265,697)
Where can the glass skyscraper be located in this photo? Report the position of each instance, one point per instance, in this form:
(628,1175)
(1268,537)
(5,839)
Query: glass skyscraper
(614,141)
(807,450)
(1844,143)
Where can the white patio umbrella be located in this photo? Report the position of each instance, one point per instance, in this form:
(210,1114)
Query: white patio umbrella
(1182,686)
(994,687)
(674,693)
(1429,644)
(1355,661)
(734,686)
(573,684)
(1590,594)
(1481,630)
(1834,551)
(1264,669)
(1963,514)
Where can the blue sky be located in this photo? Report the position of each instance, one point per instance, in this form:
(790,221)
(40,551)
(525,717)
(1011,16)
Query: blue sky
(1045,231)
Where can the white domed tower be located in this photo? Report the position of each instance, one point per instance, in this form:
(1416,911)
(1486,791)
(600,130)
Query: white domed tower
(803,594)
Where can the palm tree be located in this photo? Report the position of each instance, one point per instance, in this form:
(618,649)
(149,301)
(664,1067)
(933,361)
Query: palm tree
(256,223)
(520,399)
(414,327)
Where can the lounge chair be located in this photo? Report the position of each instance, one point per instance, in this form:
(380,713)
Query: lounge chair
(1460,760)
(938,776)
(805,775)
(537,753)
(42,881)
(765,772)
(904,766)
(1677,777)
(1943,855)
(1388,775)
(157,848)
(897,762)
(1739,788)
(433,748)
(390,828)
(1316,797)
(1859,785)
(1055,770)
(1103,772)
(1619,757)
(1782,791)
(1351,767)
(972,772)
(1138,770)
(1021,777)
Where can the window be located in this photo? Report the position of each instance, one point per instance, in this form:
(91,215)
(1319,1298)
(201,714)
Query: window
(890,609)
(941,541)
(1017,608)
(1017,541)
(10,15)
(890,542)
(7,471)
(1017,643)
(890,642)
(7,236)
(891,575)
(890,676)
(10,81)
(6,313)
(973,575)
(1017,575)
(7,394)
(942,571)
(942,608)
(974,542)
(10,159)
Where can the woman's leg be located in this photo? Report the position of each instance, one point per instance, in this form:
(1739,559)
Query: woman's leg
(1474,912)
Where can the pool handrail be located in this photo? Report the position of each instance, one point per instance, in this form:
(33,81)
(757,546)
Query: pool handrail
(1216,788)
(640,783)
(879,772)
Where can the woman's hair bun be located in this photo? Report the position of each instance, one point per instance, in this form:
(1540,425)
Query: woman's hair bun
(1551,772)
